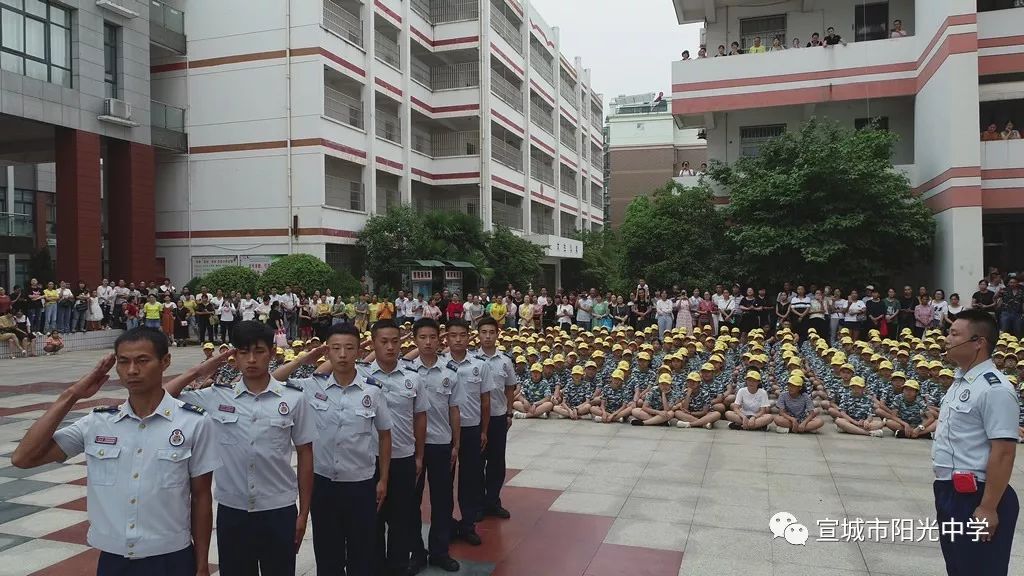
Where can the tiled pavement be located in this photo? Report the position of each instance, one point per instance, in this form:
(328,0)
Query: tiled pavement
(586,499)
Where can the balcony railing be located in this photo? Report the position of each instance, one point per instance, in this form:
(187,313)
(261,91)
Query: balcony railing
(542,65)
(543,225)
(568,137)
(387,198)
(343,193)
(389,126)
(459,205)
(446,144)
(167,26)
(454,76)
(507,154)
(567,183)
(542,171)
(595,198)
(595,159)
(343,107)
(568,90)
(541,117)
(507,30)
(508,93)
(13,224)
(343,23)
(568,228)
(168,126)
(441,11)
(507,216)
(386,49)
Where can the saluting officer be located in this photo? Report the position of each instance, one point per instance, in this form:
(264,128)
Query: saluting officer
(347,407)
(973,452)
(441,451)
(407,403)
(258,420)
(503,392)
(474,380)
(150,463)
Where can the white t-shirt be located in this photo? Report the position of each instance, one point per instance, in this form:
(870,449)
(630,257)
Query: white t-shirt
(855,311)
(564,313)
(583,306)
(751,404)
(939,309)
(839,308)
(247,306)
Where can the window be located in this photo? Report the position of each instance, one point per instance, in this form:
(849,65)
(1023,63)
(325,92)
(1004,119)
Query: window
(752,138)
(871,21)
(110,59)
(767,27)
(35,40)
(876,122)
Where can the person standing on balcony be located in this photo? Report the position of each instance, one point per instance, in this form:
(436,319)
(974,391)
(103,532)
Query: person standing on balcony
(721,51)
(686,170)
(815,41)
(991,133)
(734,49)
(757,48)
(831,38)
(1009,133)
(686,55)
(897,30)
(796,43)
(777,45)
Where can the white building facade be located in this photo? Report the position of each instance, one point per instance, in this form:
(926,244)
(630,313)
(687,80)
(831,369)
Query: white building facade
(304,118)
(956,70)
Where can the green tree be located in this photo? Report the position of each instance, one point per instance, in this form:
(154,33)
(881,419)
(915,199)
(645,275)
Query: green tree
(512,259)
(601,266)
(40,267)
(299,271)
(824,204)
(674,236)
(389,240)
(231,278)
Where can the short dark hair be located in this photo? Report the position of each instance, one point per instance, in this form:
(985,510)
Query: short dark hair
(982,324)
(458,323)
(249,333)
(142,333)
(382,325)
(342,329)
(489,321)
(425,323)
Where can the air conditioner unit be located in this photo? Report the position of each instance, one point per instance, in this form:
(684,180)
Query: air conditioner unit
(117,108)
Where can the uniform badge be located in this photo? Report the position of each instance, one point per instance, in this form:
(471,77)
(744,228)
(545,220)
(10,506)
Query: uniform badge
(106,440)
(476,370)
(282,408)
(366,401)
(444,382)
(226,408)
(965,395)
(408,384)
(320,396)
(177,438)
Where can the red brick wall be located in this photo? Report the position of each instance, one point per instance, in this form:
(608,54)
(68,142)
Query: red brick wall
(79,236)
(131,211)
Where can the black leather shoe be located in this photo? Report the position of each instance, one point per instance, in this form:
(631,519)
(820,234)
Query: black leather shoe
(469,537)
(498,512)
(446,563)
(417,563)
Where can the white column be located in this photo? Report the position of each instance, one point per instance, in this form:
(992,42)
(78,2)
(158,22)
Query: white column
(527,124)
(557,85)
(485,114)
(370,103)
(958,262)
(405,110)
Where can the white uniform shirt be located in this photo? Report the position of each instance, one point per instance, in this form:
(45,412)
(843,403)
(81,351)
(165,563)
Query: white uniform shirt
(139,472)
(344,450)
(474,379)
(440,387)
(255,434)
(404,395)
(503,373)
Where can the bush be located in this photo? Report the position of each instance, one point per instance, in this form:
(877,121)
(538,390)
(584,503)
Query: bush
(193,285)
(300,271)
(344,284)
(231,279)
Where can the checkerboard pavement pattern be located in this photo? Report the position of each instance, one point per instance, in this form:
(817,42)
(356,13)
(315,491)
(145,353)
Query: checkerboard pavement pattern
(586,499)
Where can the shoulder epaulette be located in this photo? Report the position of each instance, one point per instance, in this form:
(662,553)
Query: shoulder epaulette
(362,363)
(992,378)
(323,375)
(192,408)
(107,409)
(452,365)
(292,385)
(222,384)
(412,369)
(481,357)
(372,381)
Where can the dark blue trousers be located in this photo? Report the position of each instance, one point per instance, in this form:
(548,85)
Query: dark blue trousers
(344,518)
(494,462)
(180,563)
(471,477)
(396,516)
(250,543)
(437,470)
(964,556)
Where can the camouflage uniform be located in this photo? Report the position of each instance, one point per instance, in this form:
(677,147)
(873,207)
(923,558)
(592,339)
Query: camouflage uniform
(537,391)
(910,412)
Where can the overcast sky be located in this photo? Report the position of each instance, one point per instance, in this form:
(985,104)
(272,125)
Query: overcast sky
(629,46)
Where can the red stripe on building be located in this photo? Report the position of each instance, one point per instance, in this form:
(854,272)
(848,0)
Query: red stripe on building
(569,162)
(999,42)
(956,172)
(573,208)
(1002,198)
(569,114)
(341,61)
(508,183)
(542,34)
(449,176)
(1001,64)
(387,11)
(542,145)
(543,93)
(955,197)
(387,86)
(389,163)
(1002,173)
(507,59)
(510,123)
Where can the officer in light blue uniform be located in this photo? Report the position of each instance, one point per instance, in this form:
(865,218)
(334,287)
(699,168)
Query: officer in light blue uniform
(348,408)
(973,452)
(503,371)
(258,421)
(150,462)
